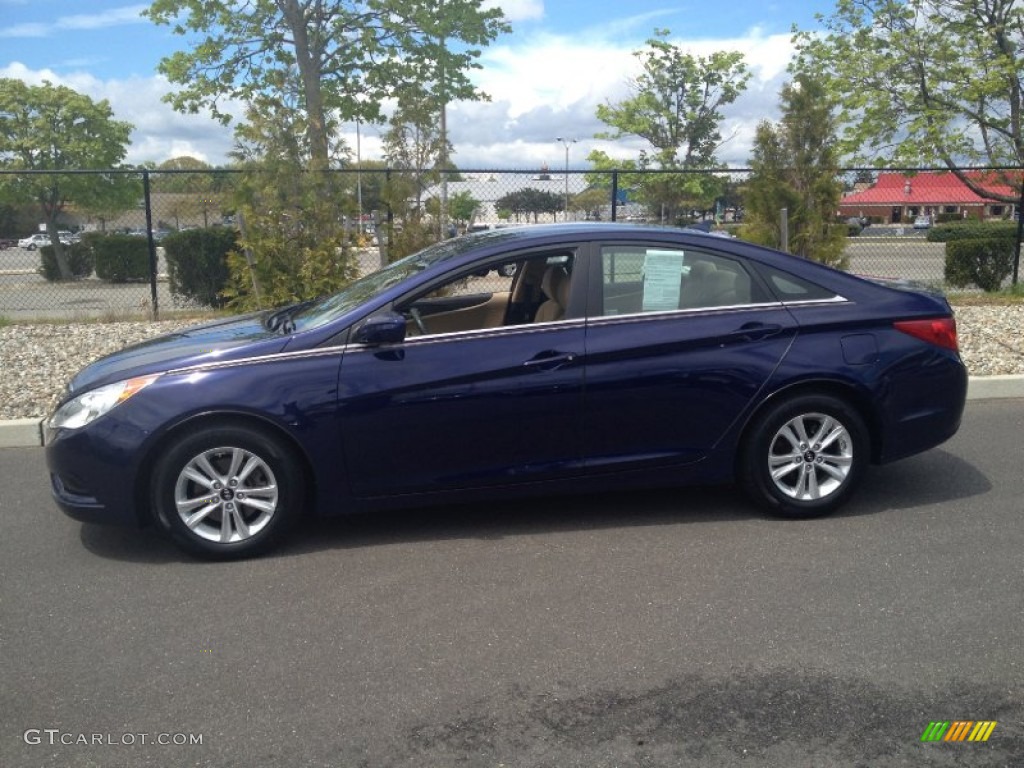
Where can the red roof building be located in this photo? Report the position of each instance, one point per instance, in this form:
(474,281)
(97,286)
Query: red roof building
(896,198)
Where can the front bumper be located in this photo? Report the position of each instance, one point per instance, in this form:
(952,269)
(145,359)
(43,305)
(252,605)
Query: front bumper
(93,480)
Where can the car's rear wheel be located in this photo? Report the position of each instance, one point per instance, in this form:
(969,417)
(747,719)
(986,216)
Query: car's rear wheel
(227,491)
(804,456)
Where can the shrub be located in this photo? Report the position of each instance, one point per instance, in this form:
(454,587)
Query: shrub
(945,218)
(972,229)
(80,260)
(120,258)
(197,263)
(984,262)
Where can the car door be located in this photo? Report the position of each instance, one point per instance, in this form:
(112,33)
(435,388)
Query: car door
(456,406)
(679,342)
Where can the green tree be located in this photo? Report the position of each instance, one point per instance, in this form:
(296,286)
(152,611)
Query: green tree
(794,167)
(293,242)
(413,144)
(676,103)
(182,175)
(530,201)
(345,56)
(676,107)
(590,202)
(53,128)
(925,81)
(463,207)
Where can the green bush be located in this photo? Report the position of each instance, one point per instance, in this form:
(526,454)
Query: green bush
(984,262)
(80,260)
(197,263)
(945,218)
(972,229)
(120,258)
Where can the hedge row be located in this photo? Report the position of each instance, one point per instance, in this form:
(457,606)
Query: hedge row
(196,261)
(80,260)
(972,230)
(115,258)
(984,262)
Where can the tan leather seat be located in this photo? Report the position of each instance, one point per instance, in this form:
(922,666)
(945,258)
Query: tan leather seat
(555,285)
(693,284)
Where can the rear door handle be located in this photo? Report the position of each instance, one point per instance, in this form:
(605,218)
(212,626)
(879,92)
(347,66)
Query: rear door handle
(549,360)
(755,331)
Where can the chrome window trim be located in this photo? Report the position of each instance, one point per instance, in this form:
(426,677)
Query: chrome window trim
(503,330)
(668,313)
(837,299)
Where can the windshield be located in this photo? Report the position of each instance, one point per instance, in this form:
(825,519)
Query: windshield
(365,288)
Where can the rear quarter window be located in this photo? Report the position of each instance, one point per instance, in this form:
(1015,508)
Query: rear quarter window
(789,287)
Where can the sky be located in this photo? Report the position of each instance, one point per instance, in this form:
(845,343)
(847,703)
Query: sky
(545,79)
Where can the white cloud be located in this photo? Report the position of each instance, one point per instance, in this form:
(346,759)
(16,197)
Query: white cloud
(541,87)
(551,86)
(32,29)
(518,10)
(160,132)
(129,14)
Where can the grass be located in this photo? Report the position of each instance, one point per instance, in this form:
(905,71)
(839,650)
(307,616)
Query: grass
(114,316)
(1006,297)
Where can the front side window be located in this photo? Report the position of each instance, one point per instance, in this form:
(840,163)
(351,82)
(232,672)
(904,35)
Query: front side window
(639,279)
(529,289)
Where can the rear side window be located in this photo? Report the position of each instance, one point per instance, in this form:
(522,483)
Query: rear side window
(792,288)
(638,279)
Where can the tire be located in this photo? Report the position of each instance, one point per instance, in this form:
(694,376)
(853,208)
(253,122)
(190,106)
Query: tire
(226,492)
(804,456)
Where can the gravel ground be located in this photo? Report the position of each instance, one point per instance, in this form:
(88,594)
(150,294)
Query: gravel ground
(37,360)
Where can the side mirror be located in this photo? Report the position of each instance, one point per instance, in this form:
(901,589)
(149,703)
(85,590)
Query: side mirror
(385,328)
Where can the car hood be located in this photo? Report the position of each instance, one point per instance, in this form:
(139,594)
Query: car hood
(226,339)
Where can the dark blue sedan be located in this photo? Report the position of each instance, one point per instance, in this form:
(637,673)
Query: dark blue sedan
(526,360)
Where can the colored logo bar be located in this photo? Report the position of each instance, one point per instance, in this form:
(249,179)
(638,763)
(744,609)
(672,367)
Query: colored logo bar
(958,730)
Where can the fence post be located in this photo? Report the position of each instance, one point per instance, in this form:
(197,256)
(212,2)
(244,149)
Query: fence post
(784,229)
(1020,231)
(152,245)
(615,195)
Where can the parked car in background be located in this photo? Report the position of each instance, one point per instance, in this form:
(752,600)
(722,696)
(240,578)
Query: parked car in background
(39,239)
(616,357)
(923,222)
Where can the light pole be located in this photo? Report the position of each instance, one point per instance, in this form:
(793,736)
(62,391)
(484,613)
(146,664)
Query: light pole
(567,143)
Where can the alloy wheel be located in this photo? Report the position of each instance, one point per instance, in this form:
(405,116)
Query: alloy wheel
(226,495)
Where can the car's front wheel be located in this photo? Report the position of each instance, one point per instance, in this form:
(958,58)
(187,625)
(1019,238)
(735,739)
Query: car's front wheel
(804,456)
(227,491)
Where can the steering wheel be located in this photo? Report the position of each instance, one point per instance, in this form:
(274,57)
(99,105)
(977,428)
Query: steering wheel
(418,319)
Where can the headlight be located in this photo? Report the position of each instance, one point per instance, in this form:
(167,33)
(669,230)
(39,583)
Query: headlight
(90,405)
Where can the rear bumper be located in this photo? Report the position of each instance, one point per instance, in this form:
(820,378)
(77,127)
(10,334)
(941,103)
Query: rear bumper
(925,406)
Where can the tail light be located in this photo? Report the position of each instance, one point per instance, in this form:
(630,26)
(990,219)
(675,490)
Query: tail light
(940,331)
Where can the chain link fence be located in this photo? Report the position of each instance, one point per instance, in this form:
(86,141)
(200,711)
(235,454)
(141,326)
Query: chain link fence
(886,216)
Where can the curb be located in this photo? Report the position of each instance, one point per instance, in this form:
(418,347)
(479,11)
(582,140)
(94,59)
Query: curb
(28,433)
(994,387)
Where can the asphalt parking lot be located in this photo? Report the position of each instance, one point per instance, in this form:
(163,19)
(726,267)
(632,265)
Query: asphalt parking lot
(654,629)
